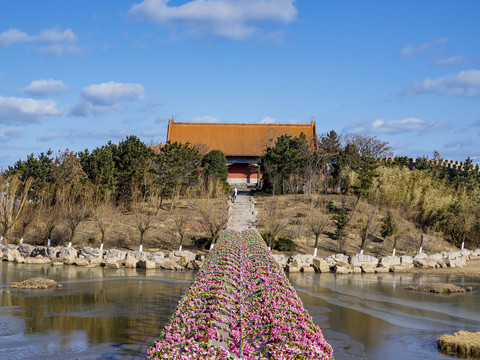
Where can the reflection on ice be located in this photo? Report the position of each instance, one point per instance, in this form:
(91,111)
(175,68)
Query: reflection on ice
(378,311)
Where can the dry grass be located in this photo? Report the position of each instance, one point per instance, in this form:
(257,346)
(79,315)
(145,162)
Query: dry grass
(462,342)
(122,230)
(437,288)
(35,283)
(296,206)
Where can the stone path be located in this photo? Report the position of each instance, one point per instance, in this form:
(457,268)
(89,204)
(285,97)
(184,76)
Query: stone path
(242,213)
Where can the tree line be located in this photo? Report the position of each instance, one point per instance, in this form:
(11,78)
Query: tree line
(67,188)
(439,200)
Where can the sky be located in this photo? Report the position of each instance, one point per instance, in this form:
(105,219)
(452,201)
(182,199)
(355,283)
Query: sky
(77,74)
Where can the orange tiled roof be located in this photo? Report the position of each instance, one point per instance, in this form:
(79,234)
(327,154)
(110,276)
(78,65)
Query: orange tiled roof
(236,139)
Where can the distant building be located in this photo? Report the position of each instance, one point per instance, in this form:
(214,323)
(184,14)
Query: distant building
(243,144)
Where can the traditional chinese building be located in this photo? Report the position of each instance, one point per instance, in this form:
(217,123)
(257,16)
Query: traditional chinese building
(243,144)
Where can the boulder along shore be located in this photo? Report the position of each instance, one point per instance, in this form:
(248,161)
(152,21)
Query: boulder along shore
(452,262)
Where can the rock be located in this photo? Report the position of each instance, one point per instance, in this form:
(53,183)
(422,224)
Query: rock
(459,262)
(426,263)
(156,256)
(19,260)
(280,259)
(360,259)
(344,264)
(139,255)
(406,260)
(69,260)
(8,249)
(296,263)
(171,255)
(308,270)
(357,270)
(188,254)
(130,262)
(183,261)
(401,268)
(420,256)
(25,250)
(291,269)
(66,251)
(200,258)
(113,264)
(303,259)
(1,255)
(194,265)
(15,253)
(320,265)
(442,263)
(452,255)
(368,268)
(81,262)
(10,257)
(146,264)
(115,254)
(437,257)
(332,259)
(90,253)
(95,261)
(343,268)
(382,269)
(37,260)
(57,263)
(169,264)
(389,261)
(465,253)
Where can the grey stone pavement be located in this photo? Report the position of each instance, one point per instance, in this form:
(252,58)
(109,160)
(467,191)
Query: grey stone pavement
(242,213)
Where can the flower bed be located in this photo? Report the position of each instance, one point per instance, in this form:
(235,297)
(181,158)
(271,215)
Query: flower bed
(240,305)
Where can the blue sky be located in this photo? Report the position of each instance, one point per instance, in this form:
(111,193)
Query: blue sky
(76,74)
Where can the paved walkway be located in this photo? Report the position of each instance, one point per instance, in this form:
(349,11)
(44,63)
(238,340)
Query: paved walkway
(242,213)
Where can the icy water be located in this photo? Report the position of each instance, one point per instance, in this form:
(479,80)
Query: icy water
(117,314)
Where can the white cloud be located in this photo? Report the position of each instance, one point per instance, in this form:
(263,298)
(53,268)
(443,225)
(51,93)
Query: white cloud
(465,83)
(56,36)
(453,61)
(52,41)
(108,96)
(13,36)
(205,119)
(410,50)
(25,110)
(10,133)
(407,125)
(268,120)
(45,87)
(233,19)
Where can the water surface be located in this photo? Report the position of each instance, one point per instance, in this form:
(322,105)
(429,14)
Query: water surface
(117,314)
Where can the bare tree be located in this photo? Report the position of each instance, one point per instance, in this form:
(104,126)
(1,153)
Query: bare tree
(143,219)
(272,218)
(317,220)
(368,227)
(102,215)
(181,229)
(13,197)
(213,216)
(28,215)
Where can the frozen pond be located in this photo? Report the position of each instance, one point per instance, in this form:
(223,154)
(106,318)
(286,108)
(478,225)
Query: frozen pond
(117,314)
